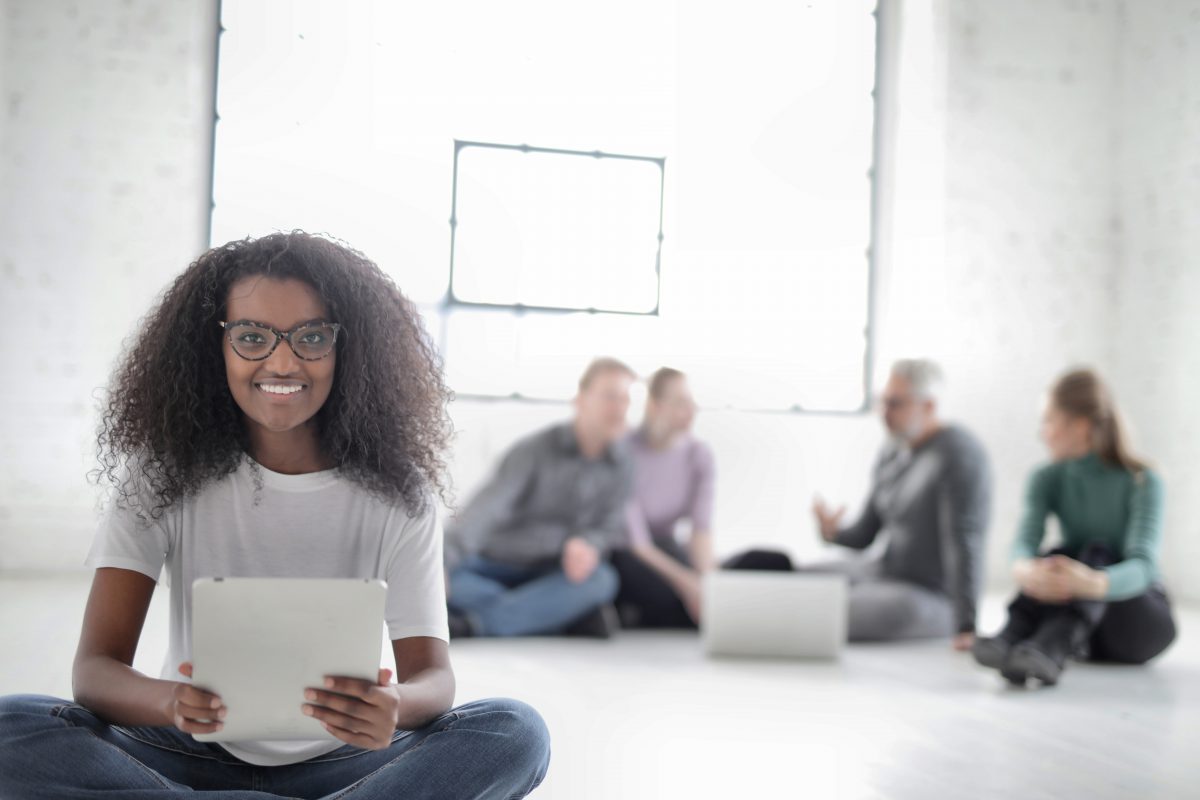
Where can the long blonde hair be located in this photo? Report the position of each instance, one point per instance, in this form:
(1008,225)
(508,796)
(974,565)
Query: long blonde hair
(1082,393)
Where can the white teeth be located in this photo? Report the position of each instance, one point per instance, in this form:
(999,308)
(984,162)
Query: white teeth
(273,389)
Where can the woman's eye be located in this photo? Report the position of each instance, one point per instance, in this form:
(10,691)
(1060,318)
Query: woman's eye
(313,338)
(252,338)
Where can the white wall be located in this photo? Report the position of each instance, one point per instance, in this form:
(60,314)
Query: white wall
(105,133)
(1025,284)
(1157,325)
(1020,246)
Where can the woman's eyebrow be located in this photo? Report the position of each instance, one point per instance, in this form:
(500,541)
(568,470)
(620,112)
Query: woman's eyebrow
(259,323)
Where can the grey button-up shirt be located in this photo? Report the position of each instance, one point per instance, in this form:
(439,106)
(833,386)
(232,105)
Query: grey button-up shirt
(543,493)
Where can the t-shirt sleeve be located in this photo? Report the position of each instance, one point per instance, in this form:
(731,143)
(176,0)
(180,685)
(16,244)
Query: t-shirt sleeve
(413,569)
(129,541)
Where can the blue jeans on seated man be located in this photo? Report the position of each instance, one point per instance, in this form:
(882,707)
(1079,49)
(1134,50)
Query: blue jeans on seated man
(52,749)
(507,600)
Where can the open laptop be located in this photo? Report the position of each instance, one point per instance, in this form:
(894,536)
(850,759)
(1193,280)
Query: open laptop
(774,614)
(260,642)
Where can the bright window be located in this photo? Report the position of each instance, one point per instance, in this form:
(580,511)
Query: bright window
(343,118)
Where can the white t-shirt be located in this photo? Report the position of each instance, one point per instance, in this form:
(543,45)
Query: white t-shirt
(318,525)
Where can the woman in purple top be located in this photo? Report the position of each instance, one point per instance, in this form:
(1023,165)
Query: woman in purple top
(673,481)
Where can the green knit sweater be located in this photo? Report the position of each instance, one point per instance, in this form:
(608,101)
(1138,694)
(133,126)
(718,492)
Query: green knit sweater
(1096,502)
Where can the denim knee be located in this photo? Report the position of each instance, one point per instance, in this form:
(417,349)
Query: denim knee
(527,738)
(29,704)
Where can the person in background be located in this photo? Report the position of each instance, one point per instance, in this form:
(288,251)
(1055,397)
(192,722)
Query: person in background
(527,555)
(1100,593)
(673,482)
(931,496)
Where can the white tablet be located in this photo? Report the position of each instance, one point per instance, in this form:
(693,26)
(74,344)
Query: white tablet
(260,642)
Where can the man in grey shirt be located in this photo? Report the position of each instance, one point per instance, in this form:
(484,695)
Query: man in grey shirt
(527,554)
(930,497)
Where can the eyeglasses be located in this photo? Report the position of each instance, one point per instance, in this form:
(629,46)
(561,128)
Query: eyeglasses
(254,341)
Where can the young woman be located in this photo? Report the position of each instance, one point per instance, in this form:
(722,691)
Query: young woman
(1100,593)
(673,481)
(280,413)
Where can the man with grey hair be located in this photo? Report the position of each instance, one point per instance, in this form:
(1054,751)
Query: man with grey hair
(931,497)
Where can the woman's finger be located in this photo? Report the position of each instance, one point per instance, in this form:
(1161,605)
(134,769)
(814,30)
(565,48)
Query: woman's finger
(349,706)
(196,726)
(196,697)
(357,739)
(338,719)
(355,687)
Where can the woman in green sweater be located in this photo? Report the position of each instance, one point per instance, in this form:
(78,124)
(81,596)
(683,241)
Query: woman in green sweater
(1100,594)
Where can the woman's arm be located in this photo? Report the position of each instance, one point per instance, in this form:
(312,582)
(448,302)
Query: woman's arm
(103,678)
(700,549)
(425,678)
(1143,539)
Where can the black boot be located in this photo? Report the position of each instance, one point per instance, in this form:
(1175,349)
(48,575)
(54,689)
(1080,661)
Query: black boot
(599,623)
(1044,655)
(992,651)
(1023,616)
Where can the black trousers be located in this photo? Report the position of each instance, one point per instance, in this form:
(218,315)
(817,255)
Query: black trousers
(1129,631)
(645,599)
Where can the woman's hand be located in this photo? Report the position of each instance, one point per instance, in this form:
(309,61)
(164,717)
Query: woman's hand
(193,710)
(1081,580)
(358,712)
(1041,581)
(1059,579)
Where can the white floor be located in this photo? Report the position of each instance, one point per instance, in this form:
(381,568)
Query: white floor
(647,716)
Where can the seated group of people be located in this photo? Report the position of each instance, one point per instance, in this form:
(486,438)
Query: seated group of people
(576,532)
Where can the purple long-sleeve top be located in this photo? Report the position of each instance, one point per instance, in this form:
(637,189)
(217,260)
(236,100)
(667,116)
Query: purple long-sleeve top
(669,485)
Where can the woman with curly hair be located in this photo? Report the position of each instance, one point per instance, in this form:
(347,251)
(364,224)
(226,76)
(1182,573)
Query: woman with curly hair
(280,413)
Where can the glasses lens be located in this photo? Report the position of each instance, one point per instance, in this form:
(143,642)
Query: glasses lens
(251,341)
(314,342)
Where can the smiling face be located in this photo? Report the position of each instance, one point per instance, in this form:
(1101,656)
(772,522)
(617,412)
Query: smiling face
(281,393)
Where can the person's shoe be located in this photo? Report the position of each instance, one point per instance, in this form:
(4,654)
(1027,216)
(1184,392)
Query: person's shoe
(991,651)
(1044,655)
(1026,660)
(460,626)
(629,615)
(599,623)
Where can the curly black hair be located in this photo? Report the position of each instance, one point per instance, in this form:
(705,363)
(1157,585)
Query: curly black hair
(170,424)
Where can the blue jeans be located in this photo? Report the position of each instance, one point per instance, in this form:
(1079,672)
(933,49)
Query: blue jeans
(504,600)
(54,749)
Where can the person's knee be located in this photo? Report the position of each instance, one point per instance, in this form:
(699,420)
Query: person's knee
(29,704)
(880,612)
(524,733)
